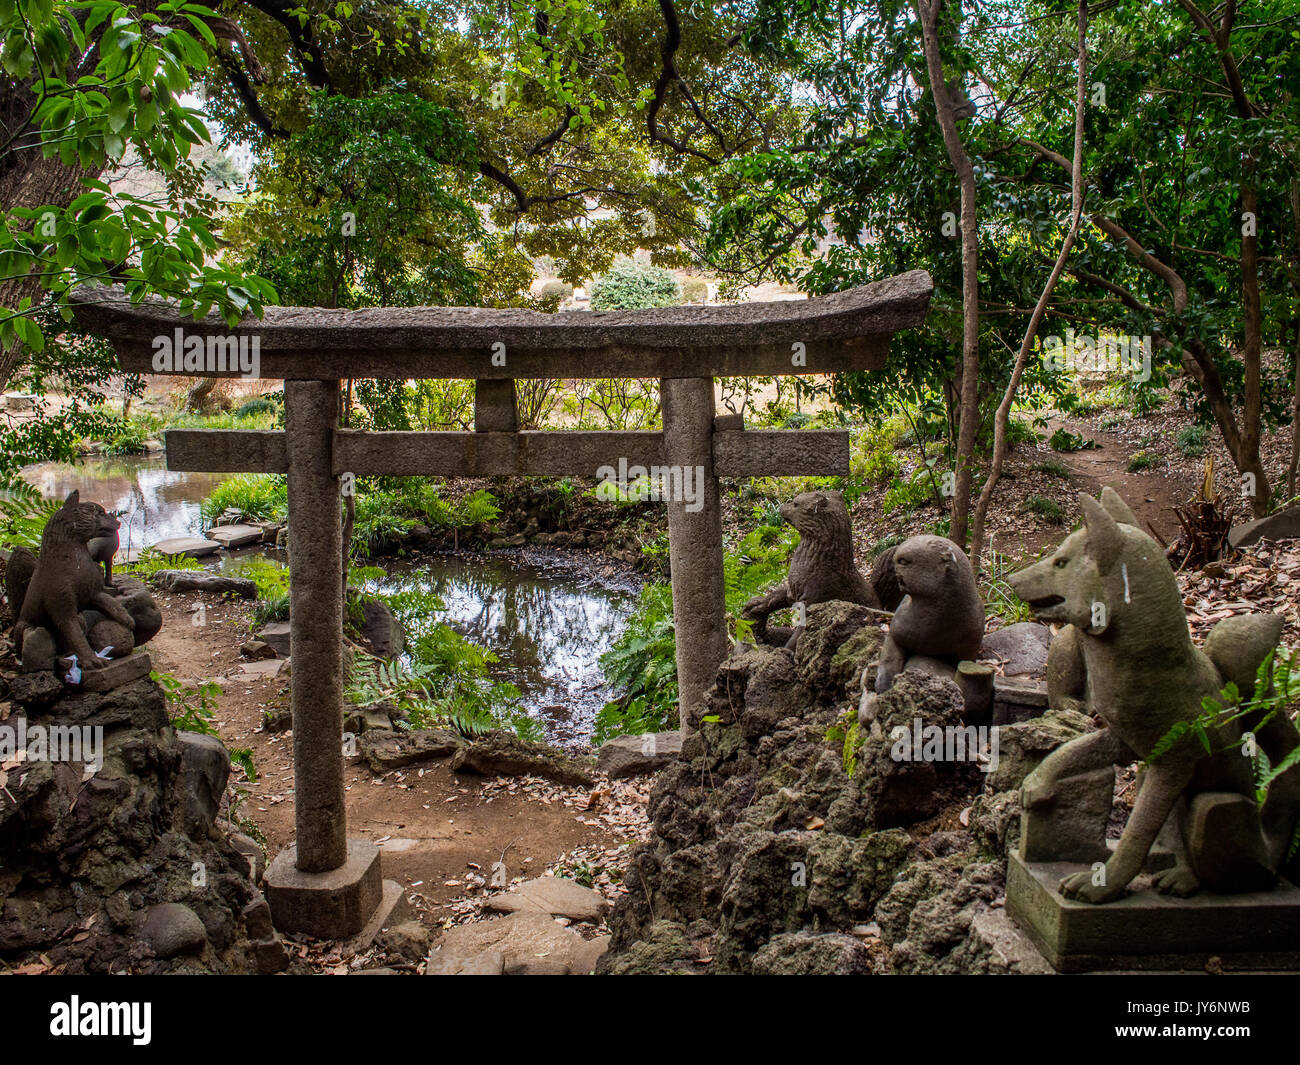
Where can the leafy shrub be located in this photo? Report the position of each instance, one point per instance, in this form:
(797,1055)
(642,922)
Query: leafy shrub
(1191,440)
(633,285)
(272,580)
(1064,440)
(1052,467)
(1143,460)
(257,497)
(260,405)
(909,494)
(23,514)
(642,663)
(1047,509)
(149,562)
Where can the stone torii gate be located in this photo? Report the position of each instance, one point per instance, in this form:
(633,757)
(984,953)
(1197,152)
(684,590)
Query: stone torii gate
(325,884)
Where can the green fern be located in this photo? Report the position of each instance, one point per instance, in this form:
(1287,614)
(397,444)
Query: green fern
(24,513)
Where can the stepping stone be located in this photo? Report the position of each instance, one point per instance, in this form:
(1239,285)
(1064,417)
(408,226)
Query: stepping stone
(277,636)
(233,536)
(625,756)
(267,667)
(551,895)
(193,546)
(526,944)
(200,580)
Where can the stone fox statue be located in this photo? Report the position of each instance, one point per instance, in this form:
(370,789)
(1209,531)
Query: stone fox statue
(67,580)
(821,567)
(1111,586)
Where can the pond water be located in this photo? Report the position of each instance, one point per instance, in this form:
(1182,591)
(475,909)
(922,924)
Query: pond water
(548,616)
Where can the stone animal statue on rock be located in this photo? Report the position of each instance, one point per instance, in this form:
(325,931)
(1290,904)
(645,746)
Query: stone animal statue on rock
(1126,654)
(941,615)
(67,581)
(821,567)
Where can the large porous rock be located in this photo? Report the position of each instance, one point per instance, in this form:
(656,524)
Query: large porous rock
(664,950)
(1023,745)
(385,750)
(904,781)
(812,954)
(781,830)
(940,917)
(626,756)
(380,630)
(205,770)
(110,864)
(501,753)
(829,626)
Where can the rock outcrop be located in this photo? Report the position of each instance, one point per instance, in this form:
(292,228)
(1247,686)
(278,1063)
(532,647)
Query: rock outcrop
(790,838)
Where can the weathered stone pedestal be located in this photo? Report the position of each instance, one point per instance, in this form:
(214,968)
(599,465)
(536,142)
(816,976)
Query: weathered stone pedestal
(1148,931)
(330,905)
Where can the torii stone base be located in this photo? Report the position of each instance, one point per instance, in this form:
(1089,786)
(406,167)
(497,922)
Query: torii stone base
(331,905)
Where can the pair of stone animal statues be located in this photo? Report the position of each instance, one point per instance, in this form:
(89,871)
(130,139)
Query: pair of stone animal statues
(69,589)
(926,581)
(1124,654)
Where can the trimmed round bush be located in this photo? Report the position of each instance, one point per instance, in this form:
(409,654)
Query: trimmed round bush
(555,289)
(633,286)
(695,290)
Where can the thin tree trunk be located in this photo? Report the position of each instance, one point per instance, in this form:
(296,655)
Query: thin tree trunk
(968,426)
(1003,416)
(1295,394)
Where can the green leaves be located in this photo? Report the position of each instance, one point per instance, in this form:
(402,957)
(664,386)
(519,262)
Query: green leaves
(129,101)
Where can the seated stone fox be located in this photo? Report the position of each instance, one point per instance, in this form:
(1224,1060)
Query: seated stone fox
(1137,668)
(821,567)
(68,580)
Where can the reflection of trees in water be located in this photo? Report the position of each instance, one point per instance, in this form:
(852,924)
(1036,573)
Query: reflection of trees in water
(548,631)
(154,503)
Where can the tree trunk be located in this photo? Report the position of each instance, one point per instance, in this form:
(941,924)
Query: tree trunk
(968,426)
(1003,416)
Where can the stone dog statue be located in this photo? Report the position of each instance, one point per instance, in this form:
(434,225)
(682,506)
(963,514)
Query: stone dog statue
(821,566)
(64,592)
(1126,654)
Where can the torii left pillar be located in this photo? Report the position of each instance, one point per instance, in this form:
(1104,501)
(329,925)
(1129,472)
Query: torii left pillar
(324,884)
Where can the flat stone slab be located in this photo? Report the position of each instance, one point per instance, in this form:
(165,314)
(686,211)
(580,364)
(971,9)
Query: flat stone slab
(625,756)
(114,674)
(334,905)
(233,536)
(521,944)
(554,896)
(1018,699)
(193,546)
(1148,931)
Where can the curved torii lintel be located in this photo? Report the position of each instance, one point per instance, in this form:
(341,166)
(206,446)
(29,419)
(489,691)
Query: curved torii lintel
(847,330)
